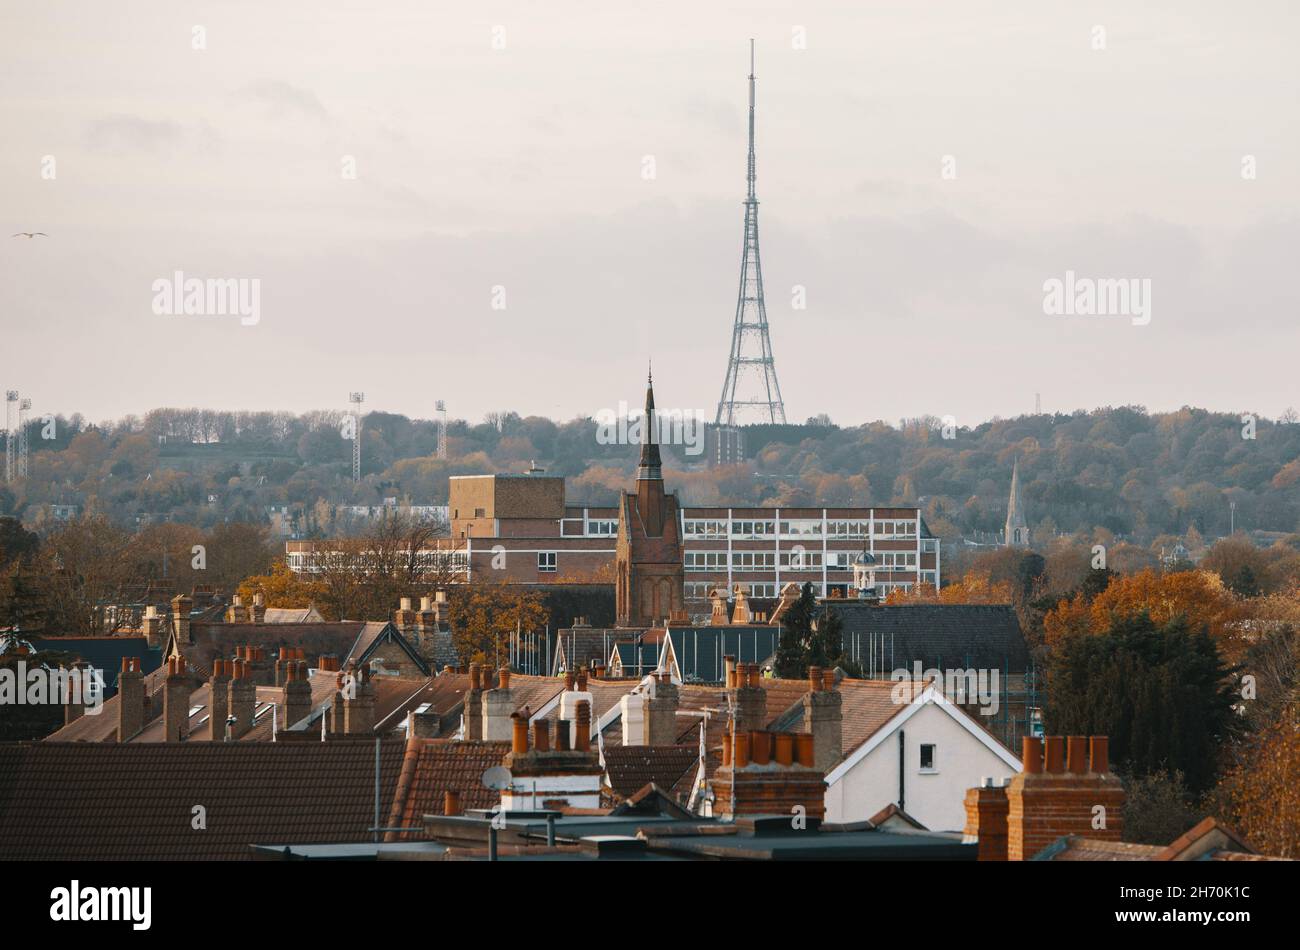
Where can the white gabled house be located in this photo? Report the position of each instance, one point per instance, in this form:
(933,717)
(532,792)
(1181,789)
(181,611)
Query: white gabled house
(922,758)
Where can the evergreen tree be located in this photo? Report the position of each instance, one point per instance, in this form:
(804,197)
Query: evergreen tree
(1162,694)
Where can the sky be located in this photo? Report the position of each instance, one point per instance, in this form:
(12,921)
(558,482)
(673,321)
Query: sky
(517,206)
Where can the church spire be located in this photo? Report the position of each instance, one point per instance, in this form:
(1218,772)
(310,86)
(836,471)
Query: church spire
(1017,529)
(650,466)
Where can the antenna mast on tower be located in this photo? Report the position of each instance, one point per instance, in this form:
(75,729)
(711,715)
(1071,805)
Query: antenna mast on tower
(751,346)
(442,428)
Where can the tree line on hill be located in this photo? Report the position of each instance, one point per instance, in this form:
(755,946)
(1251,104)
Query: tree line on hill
(1154,479)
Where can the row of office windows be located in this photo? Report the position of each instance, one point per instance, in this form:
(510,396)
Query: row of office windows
(705,528)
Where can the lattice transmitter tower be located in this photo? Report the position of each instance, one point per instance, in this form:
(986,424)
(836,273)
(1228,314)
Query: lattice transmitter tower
(750,392)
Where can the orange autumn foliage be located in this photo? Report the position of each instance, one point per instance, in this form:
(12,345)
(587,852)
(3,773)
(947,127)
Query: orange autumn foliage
(974,588)
(1262,794)
(1199,596)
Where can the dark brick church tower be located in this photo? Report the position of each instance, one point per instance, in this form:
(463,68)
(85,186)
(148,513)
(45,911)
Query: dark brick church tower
(649,584)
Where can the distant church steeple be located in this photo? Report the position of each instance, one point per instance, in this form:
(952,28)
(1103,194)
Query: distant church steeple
(1017,530)
(651,465)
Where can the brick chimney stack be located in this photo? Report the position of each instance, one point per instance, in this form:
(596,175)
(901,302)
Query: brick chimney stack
(259,608)
(474,704)
(237,612)
(218,700)
(546,777)
(151,625)
(661,712)
(498,706)
(425,725)
(748,698)
(130,691)
(176,701)
(764,773)
(297,693)
(404,618)
(182,604)
(823,718)
(242,698)
(440,606)
(426,621)
(986,820)
(1054,797)
(359,710)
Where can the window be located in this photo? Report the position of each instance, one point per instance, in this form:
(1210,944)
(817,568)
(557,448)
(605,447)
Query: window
(753,560)
(705,561)
(546,561)
(705,528)
(602,529)
(753,529)
(480,512)
(799,560)
(801,528)
(697,590)
(927,758)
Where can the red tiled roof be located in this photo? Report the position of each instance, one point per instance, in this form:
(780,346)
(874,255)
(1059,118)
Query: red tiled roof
(433,767)
(66,801)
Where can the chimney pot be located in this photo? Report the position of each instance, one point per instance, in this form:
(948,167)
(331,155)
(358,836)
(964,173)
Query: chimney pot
(740,757)
(569,680)
(582,727)
(828,681)
(542,735)
(1100,753)
(805,749)
(562,735)
(503,677)
(1054,754)
(815,678)
(582,681)
(519,738)
(760,744)
(475,677)
(450,802)
(1076,754)
(784,747)
(1032,754)
(726,750)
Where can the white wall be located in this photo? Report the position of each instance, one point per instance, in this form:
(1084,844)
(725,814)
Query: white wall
(935,800)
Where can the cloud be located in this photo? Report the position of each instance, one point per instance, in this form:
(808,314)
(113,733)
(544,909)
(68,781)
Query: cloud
(282,98)
(134,132)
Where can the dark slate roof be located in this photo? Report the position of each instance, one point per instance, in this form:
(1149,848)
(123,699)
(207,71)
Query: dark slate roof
(105,653)
(631,768)
(372,636)
(700,650)
(66,801)
(940,636)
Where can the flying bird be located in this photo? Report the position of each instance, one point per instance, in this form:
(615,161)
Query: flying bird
(30,234)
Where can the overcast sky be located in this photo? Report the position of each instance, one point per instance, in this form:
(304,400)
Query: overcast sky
(523,168)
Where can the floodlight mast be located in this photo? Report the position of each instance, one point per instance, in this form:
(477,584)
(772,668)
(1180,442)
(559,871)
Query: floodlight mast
(356,399)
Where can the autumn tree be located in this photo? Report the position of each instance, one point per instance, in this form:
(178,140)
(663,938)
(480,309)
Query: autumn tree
(487,618)
(283,588)
(1260,795)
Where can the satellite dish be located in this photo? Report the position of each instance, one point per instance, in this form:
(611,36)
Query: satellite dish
(497,778)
